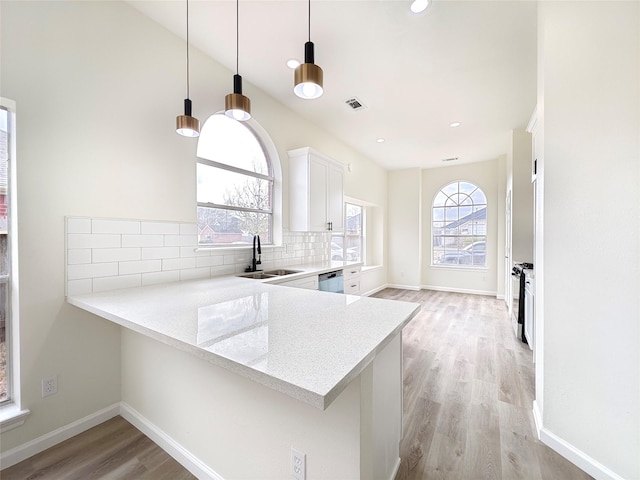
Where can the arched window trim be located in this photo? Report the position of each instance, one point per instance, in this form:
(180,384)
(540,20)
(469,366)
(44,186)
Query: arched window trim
(275,167)
(447,256)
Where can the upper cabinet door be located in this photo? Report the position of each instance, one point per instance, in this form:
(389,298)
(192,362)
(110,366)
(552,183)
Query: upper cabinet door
(316,192)
(335,198)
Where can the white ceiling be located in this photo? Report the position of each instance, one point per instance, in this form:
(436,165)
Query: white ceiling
(472,62)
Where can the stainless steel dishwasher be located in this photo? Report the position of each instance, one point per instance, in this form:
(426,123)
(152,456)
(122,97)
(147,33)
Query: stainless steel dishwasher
(331,282)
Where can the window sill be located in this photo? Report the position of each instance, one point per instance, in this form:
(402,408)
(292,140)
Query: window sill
(230,247)
(461,267)
(370,268)
(12,416)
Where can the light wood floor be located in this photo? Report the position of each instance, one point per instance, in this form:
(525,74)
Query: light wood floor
(114,450)
(468,390)
(468,394)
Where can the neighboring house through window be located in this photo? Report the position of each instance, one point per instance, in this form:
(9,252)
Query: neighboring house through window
(459,226)
(236,177)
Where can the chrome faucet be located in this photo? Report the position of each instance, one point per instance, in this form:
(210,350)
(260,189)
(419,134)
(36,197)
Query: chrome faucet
(255,262)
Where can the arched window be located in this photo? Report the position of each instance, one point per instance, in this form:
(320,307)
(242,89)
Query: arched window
(459,225)
(238,175)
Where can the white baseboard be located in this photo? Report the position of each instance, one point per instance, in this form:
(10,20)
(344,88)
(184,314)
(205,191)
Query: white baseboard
(571,453)
(395,469)
(48,440)
(458,290)
(375,290)
(537,417)
(403,287)
(500,297)
(168,444)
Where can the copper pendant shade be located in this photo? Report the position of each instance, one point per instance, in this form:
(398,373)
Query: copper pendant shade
(308,76)
(186,125)
(237,105)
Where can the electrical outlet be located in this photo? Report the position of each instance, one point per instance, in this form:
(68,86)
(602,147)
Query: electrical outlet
(49,386)
(298,464)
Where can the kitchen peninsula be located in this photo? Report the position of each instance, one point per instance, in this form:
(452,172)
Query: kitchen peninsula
(238,372)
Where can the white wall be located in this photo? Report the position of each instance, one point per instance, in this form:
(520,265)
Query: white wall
(405,228)
(589,100)
(519,173)
(97,88)
(484,175)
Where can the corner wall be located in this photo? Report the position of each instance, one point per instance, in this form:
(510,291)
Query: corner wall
(589,103)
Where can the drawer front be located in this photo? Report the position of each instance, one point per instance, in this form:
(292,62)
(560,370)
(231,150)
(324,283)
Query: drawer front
(351,273)
(352,286)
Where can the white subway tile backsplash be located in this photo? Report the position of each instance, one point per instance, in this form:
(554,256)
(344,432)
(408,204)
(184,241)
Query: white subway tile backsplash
(104,254)
(142,240)
(91,270)
(79,287)
(101,255)
(178,263)
(192,252)
(208,261)
(164,228)
(151,253)
(78,225)
(141,266)
(188,229)
(180,240)
(160,277)
(100,225)
(114,283)
(88,240)
(224,270)
(78,255)
(193,273)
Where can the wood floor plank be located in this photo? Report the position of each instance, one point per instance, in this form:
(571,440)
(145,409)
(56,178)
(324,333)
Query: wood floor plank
(481,378)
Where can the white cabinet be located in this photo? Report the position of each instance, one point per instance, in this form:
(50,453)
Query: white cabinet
(316,192)
(310,283)
(351,278)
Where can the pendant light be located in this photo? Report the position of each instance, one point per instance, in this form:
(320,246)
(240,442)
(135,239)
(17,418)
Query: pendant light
(236,105)
(186,125)
(308,76)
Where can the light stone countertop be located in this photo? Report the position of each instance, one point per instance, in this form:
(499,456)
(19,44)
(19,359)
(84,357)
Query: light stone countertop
(304,343)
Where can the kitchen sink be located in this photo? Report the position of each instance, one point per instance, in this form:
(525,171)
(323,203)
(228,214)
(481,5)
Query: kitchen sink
(281,272)
(260,275)
(257,275)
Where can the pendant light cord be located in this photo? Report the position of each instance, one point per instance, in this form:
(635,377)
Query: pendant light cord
(187,48)
(309,29)
(237,35)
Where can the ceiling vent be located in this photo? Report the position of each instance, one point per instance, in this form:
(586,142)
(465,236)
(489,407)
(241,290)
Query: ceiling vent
(452,159)
(355,104)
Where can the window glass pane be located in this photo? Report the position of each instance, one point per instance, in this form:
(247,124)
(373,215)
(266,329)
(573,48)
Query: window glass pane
(219,225)
(353,251)
(439,200)
(4,255)
(479,198)
(451,213)
(337,248)
(460,237)
(235,189)
(354,219)
(227,141)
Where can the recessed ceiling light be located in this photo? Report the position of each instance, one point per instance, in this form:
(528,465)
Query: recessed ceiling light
(293,63)
(419,6)
(455,124)
(380,140)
